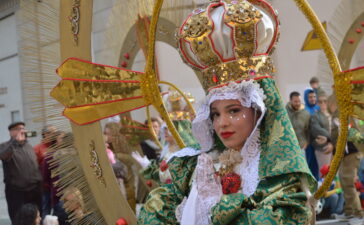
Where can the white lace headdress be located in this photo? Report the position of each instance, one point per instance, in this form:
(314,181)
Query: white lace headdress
(247,92)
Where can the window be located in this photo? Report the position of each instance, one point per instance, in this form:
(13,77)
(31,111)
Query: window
(15,116)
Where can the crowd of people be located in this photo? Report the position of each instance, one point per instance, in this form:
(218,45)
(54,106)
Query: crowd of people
(31,190)
(316,124)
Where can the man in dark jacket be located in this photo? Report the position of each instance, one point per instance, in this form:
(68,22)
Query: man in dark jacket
(299,117)
(22,177)
(320,131)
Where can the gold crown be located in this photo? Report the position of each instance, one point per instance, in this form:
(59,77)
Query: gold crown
(229,40)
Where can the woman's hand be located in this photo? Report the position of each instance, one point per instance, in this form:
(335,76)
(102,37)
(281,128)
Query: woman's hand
(321,140)
(329,148)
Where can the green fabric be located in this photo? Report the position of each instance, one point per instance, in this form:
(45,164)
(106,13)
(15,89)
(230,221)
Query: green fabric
(184,128)
(152,171)
(281,153)
(162,202)
(355,136)
(276,200)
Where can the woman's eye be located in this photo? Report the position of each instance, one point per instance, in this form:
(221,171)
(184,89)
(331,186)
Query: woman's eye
(214,115)
(233,111)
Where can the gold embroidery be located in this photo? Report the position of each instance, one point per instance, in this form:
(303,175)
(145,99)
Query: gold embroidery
(241,69)
(74,18)
(95,164)
(155,203)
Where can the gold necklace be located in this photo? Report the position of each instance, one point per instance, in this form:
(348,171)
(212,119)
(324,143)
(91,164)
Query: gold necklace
(228,160)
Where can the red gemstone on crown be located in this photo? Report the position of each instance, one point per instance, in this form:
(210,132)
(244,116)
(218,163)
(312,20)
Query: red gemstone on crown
(124,64)
(252,73)
(127,56)
(215,79)
(358,30)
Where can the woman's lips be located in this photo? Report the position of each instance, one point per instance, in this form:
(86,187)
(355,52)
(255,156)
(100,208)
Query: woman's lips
(227,134)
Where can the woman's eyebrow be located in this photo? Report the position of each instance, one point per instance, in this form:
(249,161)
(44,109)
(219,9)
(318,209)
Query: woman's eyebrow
(232,105)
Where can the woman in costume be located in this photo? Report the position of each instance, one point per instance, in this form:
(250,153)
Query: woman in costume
(259,175)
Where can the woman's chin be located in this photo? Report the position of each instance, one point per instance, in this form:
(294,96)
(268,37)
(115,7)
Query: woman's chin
(232,146)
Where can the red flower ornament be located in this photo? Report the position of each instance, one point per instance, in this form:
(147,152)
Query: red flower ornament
(163,166)
(149,183)
(169,181)
(231,183)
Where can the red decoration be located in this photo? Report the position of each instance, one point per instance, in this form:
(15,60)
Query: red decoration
(121,221)
(231,183)
(163,166)
(149,183)
(169,181)
(124,64)
(127,56)
(358,30)
(351,41)
(324,170)
(252,73)
(362,24)
(215,79)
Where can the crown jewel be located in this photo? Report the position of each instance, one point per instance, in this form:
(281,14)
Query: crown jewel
(229,40)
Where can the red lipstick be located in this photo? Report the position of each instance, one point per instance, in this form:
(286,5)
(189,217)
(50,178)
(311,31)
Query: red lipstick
(226,134)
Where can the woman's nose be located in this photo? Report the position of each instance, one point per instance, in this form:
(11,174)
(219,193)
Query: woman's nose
(224,120)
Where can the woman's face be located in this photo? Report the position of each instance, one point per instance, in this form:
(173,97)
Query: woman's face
(232,122)
(322,102)
(71,202)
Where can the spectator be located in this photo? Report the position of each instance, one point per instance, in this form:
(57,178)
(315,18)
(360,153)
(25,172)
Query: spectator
(320,131)
(27,215)
(48,140)
(119,146)
(119,168)
(22,177)
(311,107)
(311,101)
(149,147)
(348,172)
(300,119)
(75,207)
(334,200)
(315,85)
(64,141)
